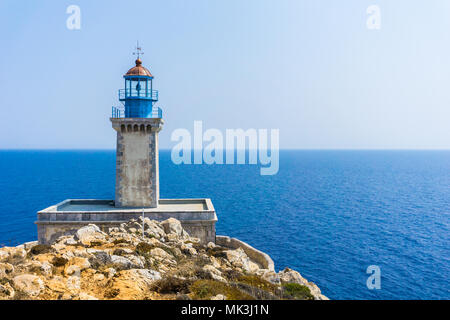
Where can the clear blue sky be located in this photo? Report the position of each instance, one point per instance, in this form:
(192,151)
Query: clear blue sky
(310,68)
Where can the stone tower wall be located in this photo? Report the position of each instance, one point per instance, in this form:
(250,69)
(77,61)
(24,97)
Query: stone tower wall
(137,162)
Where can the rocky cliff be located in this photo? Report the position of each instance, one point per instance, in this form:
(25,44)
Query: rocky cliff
(143,259)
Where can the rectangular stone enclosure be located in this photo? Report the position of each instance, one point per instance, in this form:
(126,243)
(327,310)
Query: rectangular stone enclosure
(197,216)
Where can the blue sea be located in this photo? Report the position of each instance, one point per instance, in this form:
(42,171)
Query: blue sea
(327,214)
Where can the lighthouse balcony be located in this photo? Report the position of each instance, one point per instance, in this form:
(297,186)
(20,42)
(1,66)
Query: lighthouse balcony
(119,112)
(146,94)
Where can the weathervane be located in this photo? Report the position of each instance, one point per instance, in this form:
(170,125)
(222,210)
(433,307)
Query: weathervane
(138,50)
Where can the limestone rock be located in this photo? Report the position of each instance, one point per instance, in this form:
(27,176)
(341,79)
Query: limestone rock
(215,262)
(68,255)
(158,252)
(6,269)
(6,291)
(90,233)
(46,269)
(137,262)
(99,277)
(70,241)
(239,258)
(81,252)
(82,263)
(289,275)
(219,297)
(3,254)
(12,253)
(133,284)
(73,270)
(64,241)
(28,245)
(269,276)
(172,237)
(173,226)
(147,275)
(214,273)
(121,263)
(152,229)
(29,284)
(192,251)
(315,291)
(111,272)
(85,296)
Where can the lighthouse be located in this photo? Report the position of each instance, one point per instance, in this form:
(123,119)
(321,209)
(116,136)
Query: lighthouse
(137,125)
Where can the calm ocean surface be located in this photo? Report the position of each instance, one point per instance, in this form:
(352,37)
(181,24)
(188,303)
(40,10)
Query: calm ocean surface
(327,214)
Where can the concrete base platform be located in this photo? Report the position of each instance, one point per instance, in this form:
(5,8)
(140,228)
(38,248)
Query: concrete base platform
(197,216)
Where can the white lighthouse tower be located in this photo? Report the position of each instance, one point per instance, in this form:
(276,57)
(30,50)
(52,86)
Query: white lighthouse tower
(137,126)
(137,123)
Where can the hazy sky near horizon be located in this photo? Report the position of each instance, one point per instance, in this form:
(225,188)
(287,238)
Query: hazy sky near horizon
(309,68)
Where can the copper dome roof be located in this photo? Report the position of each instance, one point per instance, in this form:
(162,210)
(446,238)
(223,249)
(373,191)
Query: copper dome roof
(139,70)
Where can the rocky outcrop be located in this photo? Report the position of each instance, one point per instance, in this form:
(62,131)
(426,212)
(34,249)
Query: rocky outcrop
(145,259)
(259,257)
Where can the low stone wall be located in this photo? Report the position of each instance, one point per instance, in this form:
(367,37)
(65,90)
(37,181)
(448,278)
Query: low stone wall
(263,259)
(49,231)
(204,230)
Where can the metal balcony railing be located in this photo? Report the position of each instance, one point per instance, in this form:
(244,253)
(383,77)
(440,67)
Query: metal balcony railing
(119,112)
(142,94)
(156,113)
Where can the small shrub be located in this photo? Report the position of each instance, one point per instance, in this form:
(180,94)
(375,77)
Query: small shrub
(192,268)
(95,244)
(104,269)
(59,261)
(170,251)
(257,293)
(172,285)
(40,249)
(100,259)
(36,270)
(297,291)
(21,295)
(232,275)
(185,269)
(111,293)
(201,261)
(199,247)
(205,289)
(154,265)
(119,252)
(15,260)
(183,297)
(217,252)
(117,241)
(199,273)
(143,247)
(259,283)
